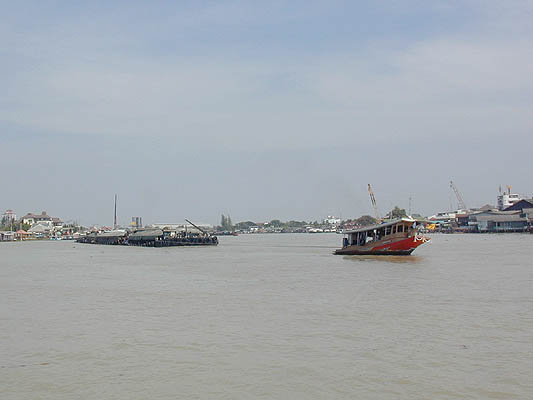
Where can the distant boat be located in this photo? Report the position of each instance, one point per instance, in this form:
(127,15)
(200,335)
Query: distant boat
(226,233)
(395,237)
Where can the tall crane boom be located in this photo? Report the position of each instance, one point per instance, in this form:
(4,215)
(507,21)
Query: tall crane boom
(373,201)
(460,201)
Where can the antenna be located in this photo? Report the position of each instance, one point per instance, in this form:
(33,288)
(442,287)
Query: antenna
(115,220)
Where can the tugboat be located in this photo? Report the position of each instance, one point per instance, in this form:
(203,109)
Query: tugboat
(396,237)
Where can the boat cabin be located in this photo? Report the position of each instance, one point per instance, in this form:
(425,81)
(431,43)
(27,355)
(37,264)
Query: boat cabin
(394,229)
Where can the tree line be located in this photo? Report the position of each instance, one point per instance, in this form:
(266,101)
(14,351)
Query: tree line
(365,220)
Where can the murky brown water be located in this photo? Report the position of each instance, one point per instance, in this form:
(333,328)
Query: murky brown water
(267,316)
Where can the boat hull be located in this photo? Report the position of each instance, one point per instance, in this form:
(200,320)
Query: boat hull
(402,247)
(148,241)
(358,252)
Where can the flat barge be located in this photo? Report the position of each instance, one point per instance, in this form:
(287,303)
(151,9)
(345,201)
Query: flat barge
(150,238)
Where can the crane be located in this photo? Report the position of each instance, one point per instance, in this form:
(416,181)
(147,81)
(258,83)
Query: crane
(374,205)
(460,201)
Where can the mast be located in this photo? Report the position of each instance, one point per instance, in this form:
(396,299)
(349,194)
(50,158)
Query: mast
(115,220)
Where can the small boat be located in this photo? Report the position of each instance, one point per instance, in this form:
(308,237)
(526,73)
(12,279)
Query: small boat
(226,233)
(395,237)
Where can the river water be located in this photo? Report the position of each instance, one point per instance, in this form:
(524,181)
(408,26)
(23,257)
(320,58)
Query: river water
(267,317)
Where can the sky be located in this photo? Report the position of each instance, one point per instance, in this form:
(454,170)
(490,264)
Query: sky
(262,110)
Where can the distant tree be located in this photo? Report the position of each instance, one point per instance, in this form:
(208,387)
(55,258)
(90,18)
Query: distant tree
(10,224)
(276,223)
(296,224)
(397,212)
(225,223)
(365,220)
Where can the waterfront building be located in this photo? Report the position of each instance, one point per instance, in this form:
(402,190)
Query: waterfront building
(521,205)
(444,218)
(22,234)
(40,229)
(501,221)
(7,236)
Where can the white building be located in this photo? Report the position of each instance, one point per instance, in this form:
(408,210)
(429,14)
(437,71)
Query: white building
(332,220)
(446,216)
(31,219)
(7,236)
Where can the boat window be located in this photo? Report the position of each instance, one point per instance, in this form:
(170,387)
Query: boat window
(394,229)
(387,230)
(400,228)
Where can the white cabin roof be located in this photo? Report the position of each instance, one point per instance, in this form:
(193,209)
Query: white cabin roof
(382,225)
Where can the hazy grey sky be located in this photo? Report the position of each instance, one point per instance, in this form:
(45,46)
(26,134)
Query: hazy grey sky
(278,109)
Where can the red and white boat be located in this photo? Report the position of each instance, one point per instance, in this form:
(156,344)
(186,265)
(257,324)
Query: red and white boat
(394,237)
